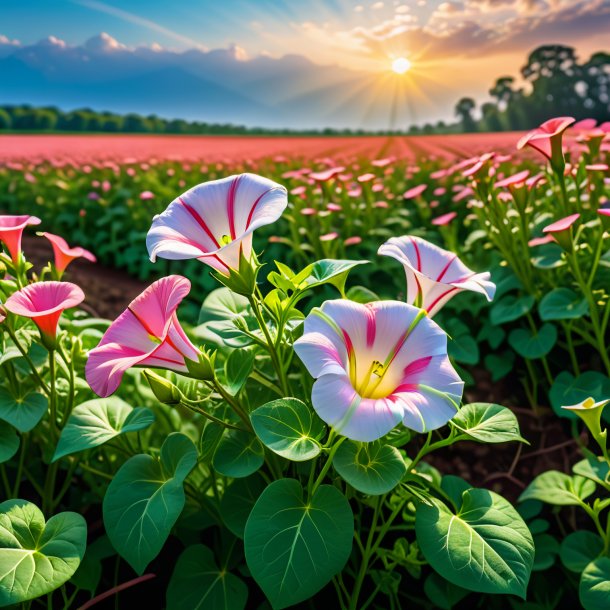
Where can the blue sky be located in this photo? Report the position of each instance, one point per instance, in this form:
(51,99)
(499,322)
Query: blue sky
(456,48)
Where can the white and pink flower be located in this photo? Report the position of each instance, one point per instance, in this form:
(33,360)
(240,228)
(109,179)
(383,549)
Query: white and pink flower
(434,275)
(214,221)
(377,365)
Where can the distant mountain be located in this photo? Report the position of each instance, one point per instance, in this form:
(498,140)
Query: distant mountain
(221,85)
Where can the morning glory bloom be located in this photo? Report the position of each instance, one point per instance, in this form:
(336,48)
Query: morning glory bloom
(377,365)
(43,303)
(214,221)
(434,275)
(147,333)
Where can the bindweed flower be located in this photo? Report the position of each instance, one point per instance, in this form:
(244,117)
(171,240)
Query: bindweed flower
(11,232)
(146,334)
(43,303)
(376,365)
(562,232)
(63,254)
(591,413)
(547,139)
(214,221)
(445,219)
(434,275)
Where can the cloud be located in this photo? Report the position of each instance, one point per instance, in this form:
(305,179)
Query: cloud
(454,29)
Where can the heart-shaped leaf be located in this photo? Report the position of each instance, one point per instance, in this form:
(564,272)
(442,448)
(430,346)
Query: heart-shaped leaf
(96,421)
(487,423)
(562,304)
(442,593)
(510,308)
(23,412)
(464,349)
(547,549)
(37,557)
(222,304)
(594,589)
(145,498)
(294,546)
(500,365)
(371,468)
(238,454)
(237,502)
(326,271)
(532,345)
(289,428)
(569,390)
(485,547)
(580,548)
(554,487)
(198,582)
(9,442)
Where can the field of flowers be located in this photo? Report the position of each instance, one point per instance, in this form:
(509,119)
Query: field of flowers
(361,372)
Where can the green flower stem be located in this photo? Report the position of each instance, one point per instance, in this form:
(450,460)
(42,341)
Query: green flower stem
(331,454)
(567,327)
(271,348)
(7,486)
(45,388)
(71,393)
(233,404)
(193,407)
(593,310)
(595,518)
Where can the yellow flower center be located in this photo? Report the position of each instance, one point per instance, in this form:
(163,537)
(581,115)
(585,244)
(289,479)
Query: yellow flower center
(587,404)
(374,383)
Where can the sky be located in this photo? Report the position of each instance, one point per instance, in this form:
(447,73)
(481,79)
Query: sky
(300,63)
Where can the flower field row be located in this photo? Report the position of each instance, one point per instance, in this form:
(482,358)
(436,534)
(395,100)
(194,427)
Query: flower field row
(281,442)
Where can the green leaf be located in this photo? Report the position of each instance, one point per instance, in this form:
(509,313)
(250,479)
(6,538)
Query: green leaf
(569,390)
(371,468)
(487,423)
(464,348)
(500,365)
(237,369)
(455,487)
(548,256)
(22,413)
(97,421)
(237,502)
(9,442)
(442,593)
(198,582)
(580,548)
(145,499)
(326,271)
(222,304)
(361,294)
(547,549)
(533,345)
(511,308)
(37,557)
(485,547)
(554,487)
(294,546)
(594,589)
(562,304)
(289,428)
(594,468)
(238,454)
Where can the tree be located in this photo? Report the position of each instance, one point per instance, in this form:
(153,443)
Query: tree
(463,109)
(5,119)
(491,117)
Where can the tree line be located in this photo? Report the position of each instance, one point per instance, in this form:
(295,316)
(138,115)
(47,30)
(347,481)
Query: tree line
(554,84)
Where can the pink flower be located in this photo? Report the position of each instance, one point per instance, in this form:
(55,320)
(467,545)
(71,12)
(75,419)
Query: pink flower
(415,192)
(214,221)
(376,365)
(147,195)
(327,174)
(329,236)
(546,139)
(383,162)
(443,220)
(540,241)
(64,255)
(147,333)
(434,275)
(11,232)
(366,178)
(44,302)
(309,212)
(333,207)
(518,179)
(562,232)
(383,205)
(353,241)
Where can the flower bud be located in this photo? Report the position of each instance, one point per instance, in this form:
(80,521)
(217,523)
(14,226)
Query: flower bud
(203,369)
(163,389)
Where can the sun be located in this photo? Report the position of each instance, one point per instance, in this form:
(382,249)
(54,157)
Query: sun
(400,65)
